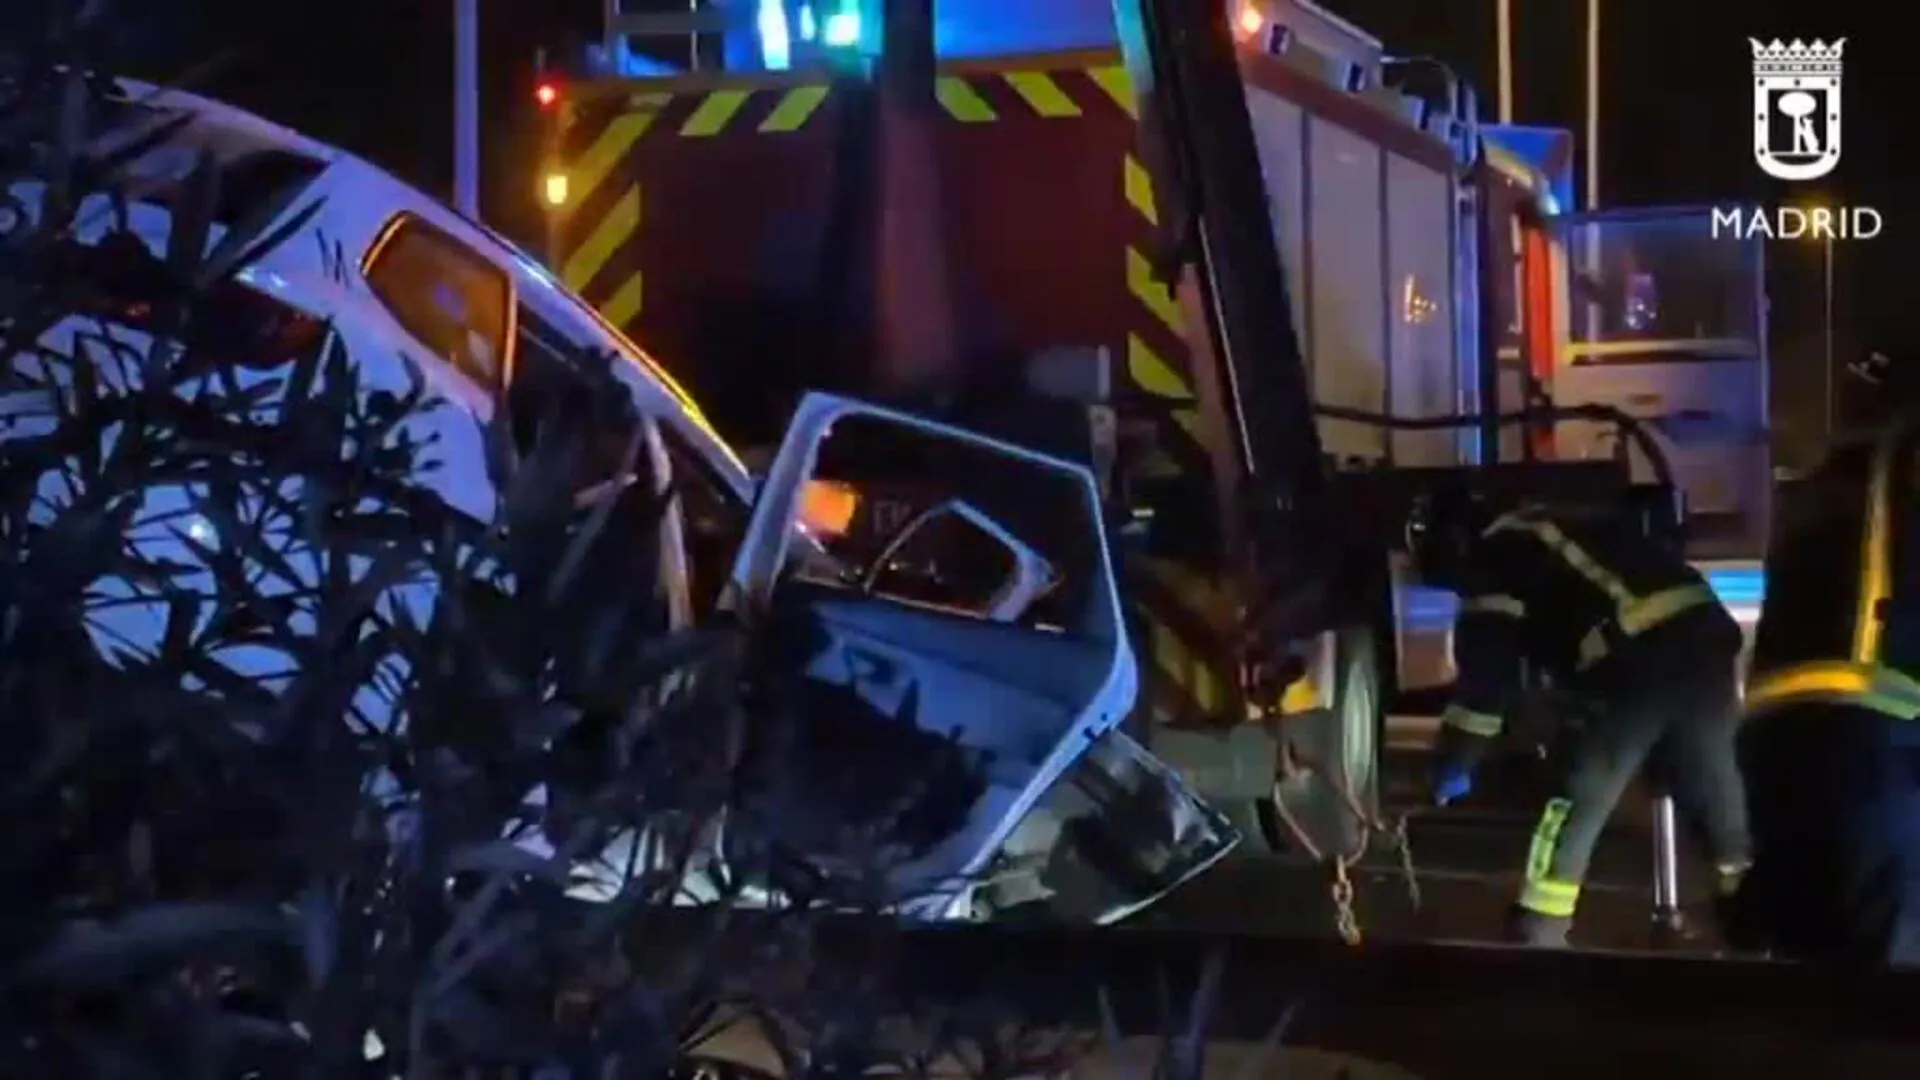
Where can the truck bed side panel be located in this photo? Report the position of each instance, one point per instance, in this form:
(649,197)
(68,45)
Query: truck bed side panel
(702,224)
(1031,164)
(1420,308)
(1363,203)
(1348,338)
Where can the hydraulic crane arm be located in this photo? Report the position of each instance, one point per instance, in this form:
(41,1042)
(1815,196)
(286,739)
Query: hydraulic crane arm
(1250,377)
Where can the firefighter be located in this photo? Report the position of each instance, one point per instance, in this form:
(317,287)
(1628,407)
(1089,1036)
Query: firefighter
(1621,623)
(1830,748)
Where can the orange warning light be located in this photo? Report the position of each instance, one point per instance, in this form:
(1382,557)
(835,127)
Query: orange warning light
(827,507)
(1250,22)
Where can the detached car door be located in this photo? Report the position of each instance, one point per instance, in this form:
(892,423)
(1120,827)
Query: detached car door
(949,607)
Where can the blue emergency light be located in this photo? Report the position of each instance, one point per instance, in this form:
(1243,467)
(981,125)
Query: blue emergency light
(788,33)
(776,40)
(842,30)
(779,25)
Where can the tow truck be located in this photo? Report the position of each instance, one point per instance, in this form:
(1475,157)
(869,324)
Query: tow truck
(1285,280)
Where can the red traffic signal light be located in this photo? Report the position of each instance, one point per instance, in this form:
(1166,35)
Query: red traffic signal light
(546,93)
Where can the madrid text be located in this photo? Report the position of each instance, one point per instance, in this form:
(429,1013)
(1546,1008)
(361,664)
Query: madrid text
(1797,223)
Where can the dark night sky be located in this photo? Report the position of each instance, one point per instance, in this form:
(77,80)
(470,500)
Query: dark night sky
(373,75)
(1675,92)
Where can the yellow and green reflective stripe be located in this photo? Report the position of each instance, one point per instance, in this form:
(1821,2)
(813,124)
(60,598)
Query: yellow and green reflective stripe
(1727,876)
(1494,604)
(1878,689)
(1570,553)
(1650,611)
(1473,723)
(1546,837)
(1549,897)
(1876,565)
(1632,613)
(1642,615)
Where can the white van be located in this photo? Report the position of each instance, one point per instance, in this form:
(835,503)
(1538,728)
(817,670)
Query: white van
(1031,668)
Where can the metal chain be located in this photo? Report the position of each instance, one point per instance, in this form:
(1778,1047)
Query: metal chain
(1345,922)
(1395,832)
(1403,847)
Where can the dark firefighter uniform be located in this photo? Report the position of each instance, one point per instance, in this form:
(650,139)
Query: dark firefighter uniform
(1619,622)
(1831,745)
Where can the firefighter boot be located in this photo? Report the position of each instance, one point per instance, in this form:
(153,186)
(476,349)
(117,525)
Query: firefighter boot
(1733,908)
(1526,927)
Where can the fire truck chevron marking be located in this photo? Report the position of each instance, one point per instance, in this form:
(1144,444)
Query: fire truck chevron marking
(624,305)
(1204,597)
(1056,94)
(1183,668)
(962,101)
(1151,373)
(796,107)
(1190,621)
(1113,78)
(1140,190)
(1181,622)
(612,145)
(1042,93)
(713,113)
(1152,292)
(606,237)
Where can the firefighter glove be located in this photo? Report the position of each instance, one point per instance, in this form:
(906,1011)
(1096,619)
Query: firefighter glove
(1457,756)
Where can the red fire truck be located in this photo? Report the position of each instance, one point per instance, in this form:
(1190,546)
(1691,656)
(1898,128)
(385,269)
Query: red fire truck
(1292,283)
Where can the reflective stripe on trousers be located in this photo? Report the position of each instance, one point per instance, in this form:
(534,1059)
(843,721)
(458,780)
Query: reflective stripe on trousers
(1542,892)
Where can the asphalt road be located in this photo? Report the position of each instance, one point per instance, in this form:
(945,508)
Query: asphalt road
(1588,1014)
(1467,867)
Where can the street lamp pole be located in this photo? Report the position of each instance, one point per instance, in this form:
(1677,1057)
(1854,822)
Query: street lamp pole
(1503,43)
(1593,104)
(466,107)
(1590,239)
(1826,332)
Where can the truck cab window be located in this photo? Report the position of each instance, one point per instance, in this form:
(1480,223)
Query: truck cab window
(450,299)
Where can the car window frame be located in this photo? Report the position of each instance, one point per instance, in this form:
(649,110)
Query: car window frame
(494,386)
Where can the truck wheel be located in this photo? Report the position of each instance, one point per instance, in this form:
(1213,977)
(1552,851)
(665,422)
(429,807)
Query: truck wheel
(1339,751)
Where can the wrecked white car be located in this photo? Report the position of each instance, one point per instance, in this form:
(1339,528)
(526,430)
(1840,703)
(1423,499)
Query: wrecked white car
(989,616)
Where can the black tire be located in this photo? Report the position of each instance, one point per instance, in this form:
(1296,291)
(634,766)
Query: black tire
(1340,749)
